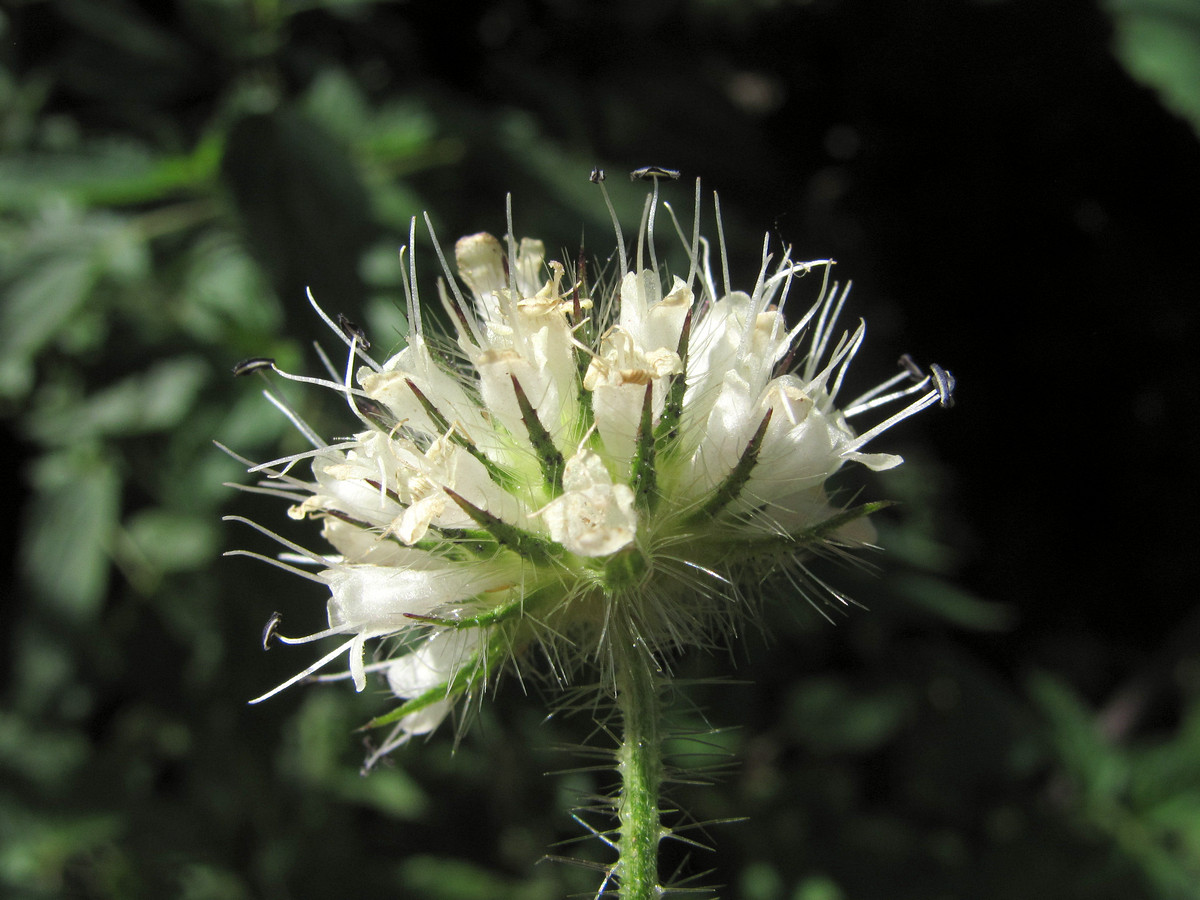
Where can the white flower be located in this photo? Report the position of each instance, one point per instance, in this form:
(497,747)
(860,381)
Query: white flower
(574,454)
(593,516)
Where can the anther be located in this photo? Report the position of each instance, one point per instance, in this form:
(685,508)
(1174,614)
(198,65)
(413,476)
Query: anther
(909,365)
(353,331)
(649,173)
(253,364)
(269,629)
(597,175)
(945,382)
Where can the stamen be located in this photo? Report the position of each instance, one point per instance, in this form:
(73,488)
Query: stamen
(291,545)
(945,385)
(414,293)
(847,345)
(353,331)
(293,496)
(912,409)
(621,258)
(279,564)
(855,343)
(347,675)
(870,400)
(721,242)
(910,366)
(653,173)
(269,629)
(292,458)
(512,249)
(459,306)
(294,417)
(253,364)
(695,248)
(641,243)
(341,333)
(412,316)
(826,323)
(340,387)
(320,663)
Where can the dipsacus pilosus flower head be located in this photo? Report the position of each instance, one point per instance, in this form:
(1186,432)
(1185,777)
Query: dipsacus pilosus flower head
(577,462)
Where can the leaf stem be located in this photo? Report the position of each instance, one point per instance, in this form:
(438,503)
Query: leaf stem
(639,762)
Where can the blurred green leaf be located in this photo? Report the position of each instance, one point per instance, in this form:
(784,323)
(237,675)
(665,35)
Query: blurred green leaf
(43,756)
(37,849)
(1158,42)
(69,529)
(152,400)
(198,881)
(304,208)
(818,888)
(832,717)
(105,173)
(1094,766)
(168,541)
(434,878)
(952,604)
(225,298)
(118,49)
(49,273)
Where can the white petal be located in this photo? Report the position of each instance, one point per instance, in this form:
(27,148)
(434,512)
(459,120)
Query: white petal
(593,517)
(380,600)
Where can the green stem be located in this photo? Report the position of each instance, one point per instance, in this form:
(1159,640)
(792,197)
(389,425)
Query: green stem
(639,761)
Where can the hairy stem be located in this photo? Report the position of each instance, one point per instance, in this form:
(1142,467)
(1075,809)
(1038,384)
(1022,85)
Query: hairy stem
(639,761)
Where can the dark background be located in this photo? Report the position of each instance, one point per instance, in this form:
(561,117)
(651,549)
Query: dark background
(1014,713)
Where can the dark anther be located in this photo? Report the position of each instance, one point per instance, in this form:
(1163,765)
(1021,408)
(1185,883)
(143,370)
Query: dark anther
(352,331)
(945,385)
(269,629)
(909,364)
(253,364)
(648,173)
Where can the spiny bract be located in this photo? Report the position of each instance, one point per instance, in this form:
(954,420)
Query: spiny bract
(572,456)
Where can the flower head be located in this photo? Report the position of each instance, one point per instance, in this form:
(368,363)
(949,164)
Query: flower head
(573,457)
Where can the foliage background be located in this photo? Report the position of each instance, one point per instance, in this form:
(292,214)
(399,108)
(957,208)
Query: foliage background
(1014,187)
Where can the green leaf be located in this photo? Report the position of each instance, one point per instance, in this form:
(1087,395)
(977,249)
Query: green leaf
(105,173)
(169,541)
(303,205)
(833,717)
(49,274)
(448,879)
(1158,42)
(154,400)
(952,604)
(71,520)
(1096,767)
(200,881)
(42,755)
(225,297)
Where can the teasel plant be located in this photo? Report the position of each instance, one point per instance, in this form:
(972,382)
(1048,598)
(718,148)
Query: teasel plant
(586,479)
